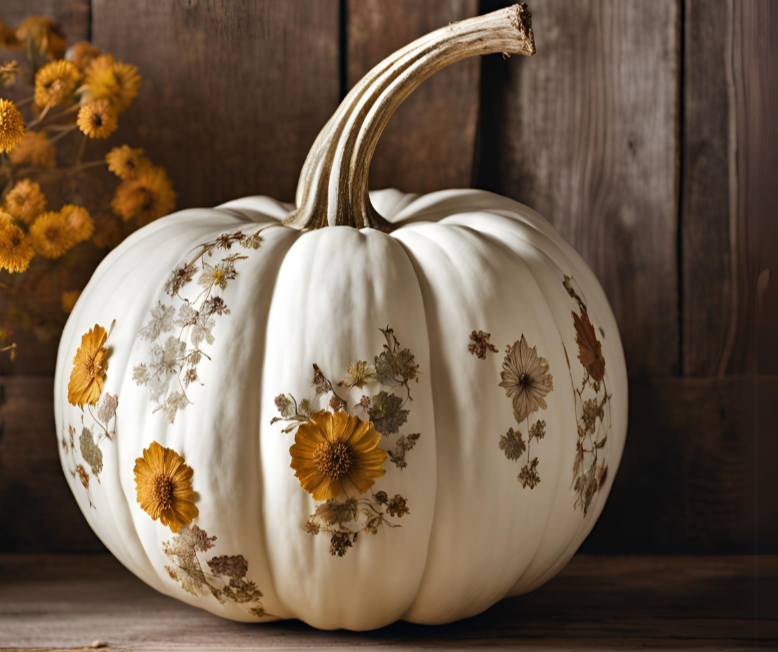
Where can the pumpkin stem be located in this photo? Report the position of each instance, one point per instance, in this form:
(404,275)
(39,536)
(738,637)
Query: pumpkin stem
(333,186)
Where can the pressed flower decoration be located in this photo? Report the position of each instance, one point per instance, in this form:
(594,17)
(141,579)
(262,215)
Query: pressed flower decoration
(179,332)
(338,457)
(336,453)
(592,402)
(164,485)
(527,381)
(71,198)
(97,409)
(88,375)
(163,482)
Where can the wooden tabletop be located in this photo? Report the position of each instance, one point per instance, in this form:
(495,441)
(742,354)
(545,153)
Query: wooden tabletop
(597,602)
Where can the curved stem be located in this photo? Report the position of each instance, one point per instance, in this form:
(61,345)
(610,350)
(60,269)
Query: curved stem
(333,186)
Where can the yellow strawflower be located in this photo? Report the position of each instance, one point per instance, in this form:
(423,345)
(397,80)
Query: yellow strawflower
(45,34)
(97,119)
(15,249)
(82,54)
(25,201)
(124,161)
(115,81)
(34,149)
(79,222)
(55,83)
(50,235)
(147,196)
(11,125)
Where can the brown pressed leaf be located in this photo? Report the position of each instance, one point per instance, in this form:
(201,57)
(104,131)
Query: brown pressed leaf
(589,347)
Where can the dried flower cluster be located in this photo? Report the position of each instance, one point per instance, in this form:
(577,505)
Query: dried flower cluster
(592,403)
(223,577)
(527,381)
(175,355)
(57,219)
(98,409)
(336,454)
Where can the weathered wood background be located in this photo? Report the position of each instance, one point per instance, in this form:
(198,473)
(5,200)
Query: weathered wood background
(647,132)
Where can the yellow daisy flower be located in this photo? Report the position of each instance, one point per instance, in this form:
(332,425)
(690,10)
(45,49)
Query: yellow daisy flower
(81,54)
(15,249)
(34,149)
(88,374)
(336,453)
(45,33)
(97,119)
(50,235)
(55,83)
(124,161)
(164,487)
(79,222)
(115,81)
(11,125)
(25,201)
(147,196)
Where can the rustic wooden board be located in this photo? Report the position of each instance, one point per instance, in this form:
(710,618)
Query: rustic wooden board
(696,474)
(707,213)
(704,603)
(755,102)
(697,470)
(585,132)
(429,143)
(234,91)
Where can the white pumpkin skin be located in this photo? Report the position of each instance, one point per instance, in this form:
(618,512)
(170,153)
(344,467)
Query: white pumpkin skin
(458,261)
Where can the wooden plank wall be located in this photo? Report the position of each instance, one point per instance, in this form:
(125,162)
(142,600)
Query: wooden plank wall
(645,132)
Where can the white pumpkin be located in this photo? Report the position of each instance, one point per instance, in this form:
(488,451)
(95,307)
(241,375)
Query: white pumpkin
(484,357)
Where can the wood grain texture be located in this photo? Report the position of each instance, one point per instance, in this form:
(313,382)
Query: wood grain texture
(234,91)
(695,477)
(585,132)
(707,212)
(429,143)
(599,603)
(755,106)
(37,507)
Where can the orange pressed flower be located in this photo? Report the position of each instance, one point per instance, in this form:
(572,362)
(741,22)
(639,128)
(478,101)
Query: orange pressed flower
(88,375)
(164,487)
(334,452)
